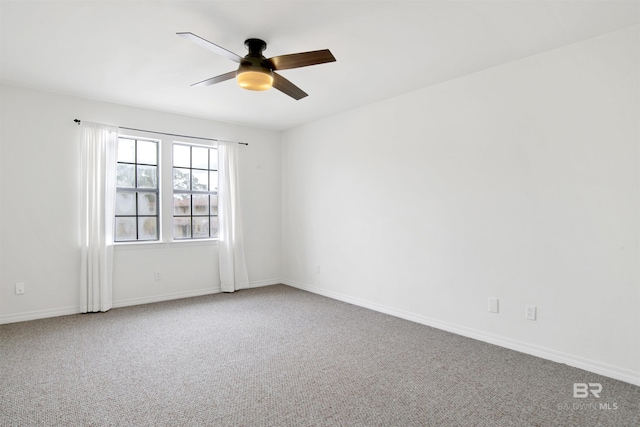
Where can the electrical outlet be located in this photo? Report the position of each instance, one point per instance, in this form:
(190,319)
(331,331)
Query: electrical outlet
(530,312)
(493,305)
(157,276)
(19,288)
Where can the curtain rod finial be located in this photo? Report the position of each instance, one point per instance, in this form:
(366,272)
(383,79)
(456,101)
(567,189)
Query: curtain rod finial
(77,121)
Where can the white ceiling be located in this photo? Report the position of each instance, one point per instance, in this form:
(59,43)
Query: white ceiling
(127,52)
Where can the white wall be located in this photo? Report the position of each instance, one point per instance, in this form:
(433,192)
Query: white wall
(519,182)
(40,205)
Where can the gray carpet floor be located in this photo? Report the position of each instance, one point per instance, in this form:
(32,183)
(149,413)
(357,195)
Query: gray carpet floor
(278,356)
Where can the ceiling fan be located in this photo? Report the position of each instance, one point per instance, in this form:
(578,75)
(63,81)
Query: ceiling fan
(256,72)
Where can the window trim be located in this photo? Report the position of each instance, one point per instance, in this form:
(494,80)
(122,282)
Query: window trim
(192,192)
(165,196)
(138,190)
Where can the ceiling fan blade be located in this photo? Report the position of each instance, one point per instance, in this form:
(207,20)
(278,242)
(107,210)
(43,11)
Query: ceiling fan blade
(211,46)
(304,59)
(217,79)
(288,88)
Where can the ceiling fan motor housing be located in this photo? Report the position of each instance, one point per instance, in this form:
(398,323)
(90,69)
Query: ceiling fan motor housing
(254,72)
(255,47)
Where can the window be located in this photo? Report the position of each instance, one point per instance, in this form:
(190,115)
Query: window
(147,169)
(195,192)
(137,196)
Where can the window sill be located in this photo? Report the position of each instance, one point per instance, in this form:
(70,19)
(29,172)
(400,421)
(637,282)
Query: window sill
(157,244)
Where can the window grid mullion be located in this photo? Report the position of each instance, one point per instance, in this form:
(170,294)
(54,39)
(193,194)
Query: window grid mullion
(139,192)
(191,192)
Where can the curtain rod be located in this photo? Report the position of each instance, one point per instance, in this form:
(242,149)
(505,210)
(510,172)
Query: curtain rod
(170,134)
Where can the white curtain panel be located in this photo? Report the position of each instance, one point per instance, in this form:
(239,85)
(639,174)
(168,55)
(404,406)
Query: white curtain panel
(233,267)
(99,148)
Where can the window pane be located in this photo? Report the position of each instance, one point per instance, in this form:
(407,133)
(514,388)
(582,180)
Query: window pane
(125,229)
(214,205)
(181,156)
(201,227)
(182,228)
(126,176)
(181,179)
(195,182)
(147,177)
(213,159)
(125,203)
(181,204)
(147,204)
(200,204)
(213,179)
(200,180)
(199,158)
(147,228)
(147,152)
(137,211)
(126,150)
(214,226)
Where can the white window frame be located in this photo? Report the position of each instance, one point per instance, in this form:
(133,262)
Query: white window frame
(165,194)
(210,193)
(137,191)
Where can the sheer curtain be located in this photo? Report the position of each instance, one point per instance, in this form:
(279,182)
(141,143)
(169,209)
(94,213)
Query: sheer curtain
(99,147)
(233,268)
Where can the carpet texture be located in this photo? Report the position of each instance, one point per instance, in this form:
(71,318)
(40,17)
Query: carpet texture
(278,356)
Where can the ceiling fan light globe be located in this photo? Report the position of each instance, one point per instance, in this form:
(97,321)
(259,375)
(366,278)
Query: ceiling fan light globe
(255,80)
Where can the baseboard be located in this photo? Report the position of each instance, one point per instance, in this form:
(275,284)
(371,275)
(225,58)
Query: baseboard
(43,314)
(189,294)
(523,347)
(38,314)
(261,283)
(165,297)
